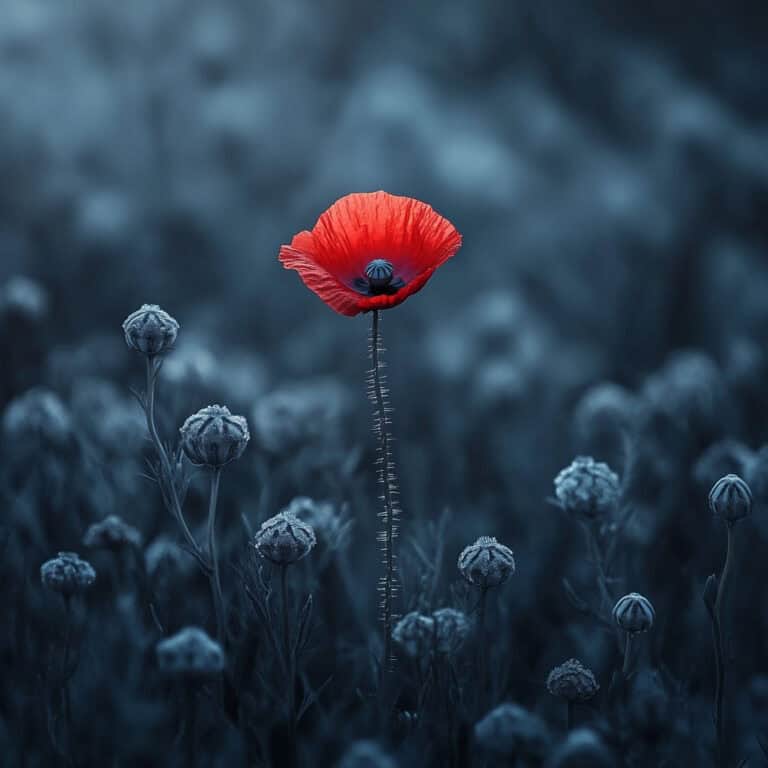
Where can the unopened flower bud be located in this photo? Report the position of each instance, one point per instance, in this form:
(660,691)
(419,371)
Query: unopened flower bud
(111,533)
(510,730)
(190,654)
(634,613)
(452,629)
(572,681)
(213,436)
(587,488)
(415,634)
(730,499)
(150,330)
(486,563)
(67,574)
(284,539)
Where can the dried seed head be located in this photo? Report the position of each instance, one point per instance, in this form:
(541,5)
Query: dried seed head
(415,634)
(366,754)
(582,749)
(573,681)
(587,488)
(486,563)
(111,533)
(213,437)
(634,613)
(150,330)
(379,273)
(67,574)
(510,730)
(284,539)
(730,499)
(452,629)
(190,654)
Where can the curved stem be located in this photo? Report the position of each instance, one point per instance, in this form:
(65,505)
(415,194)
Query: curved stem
(172,497)
(387,479)
(218,595)
(719,640)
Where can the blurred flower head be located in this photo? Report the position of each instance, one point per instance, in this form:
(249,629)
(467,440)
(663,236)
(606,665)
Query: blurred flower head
(415,634)
(486,563)
(572,681)
(67,574)
(37,419)
(722,458)
(371,251)
(583,748)
(730,499)
(587,488)
(190,654)
(366,754)
(213,437)
(331,524)
(164,558)
(634,613)
(111,533)
(452,628)
(605,410)
(150,330)
(512,731)
(23,299)
(284,539)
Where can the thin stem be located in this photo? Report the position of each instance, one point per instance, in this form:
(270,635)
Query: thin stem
(172,497)
(218,595)
(387,479)
(720,660)
(570,712)
(66,698)
(482,644)
(627,655)
(190,726)
(289,658)
(597,556)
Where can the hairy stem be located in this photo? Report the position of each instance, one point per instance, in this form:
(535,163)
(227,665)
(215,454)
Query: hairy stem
(172,497)
(719,641)
(215,579)
(388,480)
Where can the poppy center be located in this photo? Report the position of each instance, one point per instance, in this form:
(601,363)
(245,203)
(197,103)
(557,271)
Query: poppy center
(379,273)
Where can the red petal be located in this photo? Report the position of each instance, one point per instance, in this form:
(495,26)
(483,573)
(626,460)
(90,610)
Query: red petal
(365,226)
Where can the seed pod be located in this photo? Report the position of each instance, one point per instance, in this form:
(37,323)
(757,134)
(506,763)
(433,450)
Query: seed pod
(634,613)
(190,654)
(150,330)
(213,437)
(67,574)
(486,563)
(452,628)
(111,533)
(284,539)
(730,499)
(510,730)
(572,681)
(415,634)
(587,488)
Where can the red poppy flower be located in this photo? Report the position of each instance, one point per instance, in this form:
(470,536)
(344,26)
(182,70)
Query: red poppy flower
(371,250)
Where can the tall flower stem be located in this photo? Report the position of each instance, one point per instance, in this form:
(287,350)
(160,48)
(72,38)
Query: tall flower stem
(287,649)
(167,484)
(627,656)
(387,478)
(215,579)
(719,642)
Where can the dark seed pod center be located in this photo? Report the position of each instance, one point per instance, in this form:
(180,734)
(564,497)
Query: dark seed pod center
(379,273)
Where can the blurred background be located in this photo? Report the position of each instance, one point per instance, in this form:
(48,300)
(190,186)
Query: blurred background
(607,165)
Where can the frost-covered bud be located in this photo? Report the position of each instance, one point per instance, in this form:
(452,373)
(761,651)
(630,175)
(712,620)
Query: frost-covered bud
(213,437)
(634,613)
(366,754)
(573,681)
(452,628)
(486,563)
(37,418)
(730,499)
(190,654)
(582,749)
(510,730)
(284,539)
(150,330)
(111,533)
(67,573)
(415,634)
(587,488)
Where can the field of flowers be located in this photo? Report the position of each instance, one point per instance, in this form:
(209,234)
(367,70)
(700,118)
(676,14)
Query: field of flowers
(507,505)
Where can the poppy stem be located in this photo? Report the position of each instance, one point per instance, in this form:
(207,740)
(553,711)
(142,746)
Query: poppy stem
(387,478)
